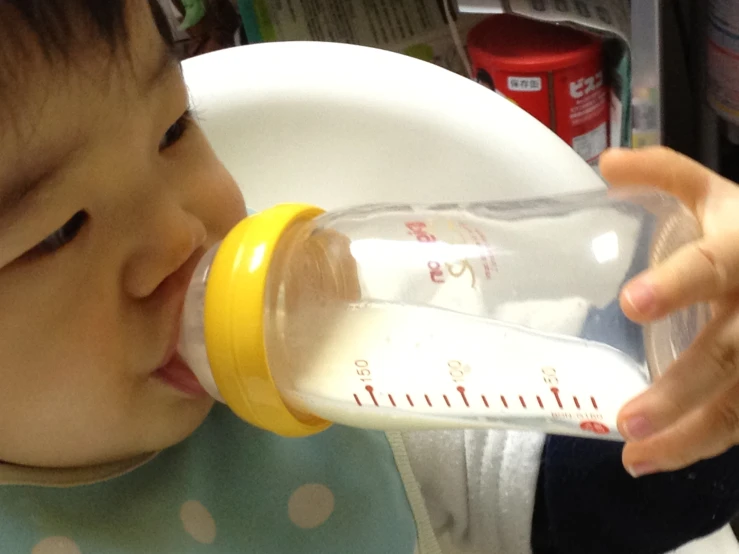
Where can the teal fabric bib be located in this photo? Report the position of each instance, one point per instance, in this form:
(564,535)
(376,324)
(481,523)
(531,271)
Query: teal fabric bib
(228,489)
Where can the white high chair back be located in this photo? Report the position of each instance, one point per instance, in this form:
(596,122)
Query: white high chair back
(335,124)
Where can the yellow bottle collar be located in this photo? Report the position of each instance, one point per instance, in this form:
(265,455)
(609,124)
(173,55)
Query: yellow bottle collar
(234,320)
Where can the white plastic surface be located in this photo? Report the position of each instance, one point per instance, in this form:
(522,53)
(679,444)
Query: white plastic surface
(336,125)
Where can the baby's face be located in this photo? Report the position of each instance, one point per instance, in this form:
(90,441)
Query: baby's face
(109,195)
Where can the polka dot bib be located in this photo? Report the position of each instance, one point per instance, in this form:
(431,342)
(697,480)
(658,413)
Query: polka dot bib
(230,488)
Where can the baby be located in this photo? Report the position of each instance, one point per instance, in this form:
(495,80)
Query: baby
(109,195)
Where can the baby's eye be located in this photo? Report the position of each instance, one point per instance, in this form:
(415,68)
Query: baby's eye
(62,236)
(176,131)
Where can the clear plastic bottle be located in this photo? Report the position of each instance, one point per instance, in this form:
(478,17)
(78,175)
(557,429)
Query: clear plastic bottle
(402,316)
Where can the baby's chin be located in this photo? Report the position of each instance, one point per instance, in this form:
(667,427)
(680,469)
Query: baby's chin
(164,427)
(174,428)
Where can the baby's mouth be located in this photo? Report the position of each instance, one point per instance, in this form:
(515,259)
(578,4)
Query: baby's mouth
(178,375)
(174,371)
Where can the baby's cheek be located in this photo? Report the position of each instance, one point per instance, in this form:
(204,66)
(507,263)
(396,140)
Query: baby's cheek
(215,197)
(226,203)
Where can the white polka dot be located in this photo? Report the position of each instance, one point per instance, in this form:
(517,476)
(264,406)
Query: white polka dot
(56,545)
(198,522)
(310,506)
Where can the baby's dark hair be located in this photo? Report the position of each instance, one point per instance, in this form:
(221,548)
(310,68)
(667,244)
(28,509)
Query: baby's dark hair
(57,25)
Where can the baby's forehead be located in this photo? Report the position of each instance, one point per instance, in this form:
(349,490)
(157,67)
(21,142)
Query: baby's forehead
(81,35)
(36,93)
(35,55)
(49,92)
(39,125)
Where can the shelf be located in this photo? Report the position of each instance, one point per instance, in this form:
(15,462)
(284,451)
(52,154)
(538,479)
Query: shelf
(646,71)
(646,64)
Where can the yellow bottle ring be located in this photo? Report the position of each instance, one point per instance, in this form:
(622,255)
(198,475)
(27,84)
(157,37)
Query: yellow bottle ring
(234,311)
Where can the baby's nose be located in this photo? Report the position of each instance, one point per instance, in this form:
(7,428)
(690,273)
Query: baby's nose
(164,254)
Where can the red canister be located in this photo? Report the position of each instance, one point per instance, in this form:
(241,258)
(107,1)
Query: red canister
(553,72)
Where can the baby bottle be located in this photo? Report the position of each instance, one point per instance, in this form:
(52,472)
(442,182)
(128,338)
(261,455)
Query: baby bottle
(400,317)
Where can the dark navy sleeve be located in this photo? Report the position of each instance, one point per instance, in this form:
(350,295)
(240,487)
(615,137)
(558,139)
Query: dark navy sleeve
(586,503)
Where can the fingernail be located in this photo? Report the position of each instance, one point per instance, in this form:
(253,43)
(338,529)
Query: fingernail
(637,428)
(640,294)
(641,469)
